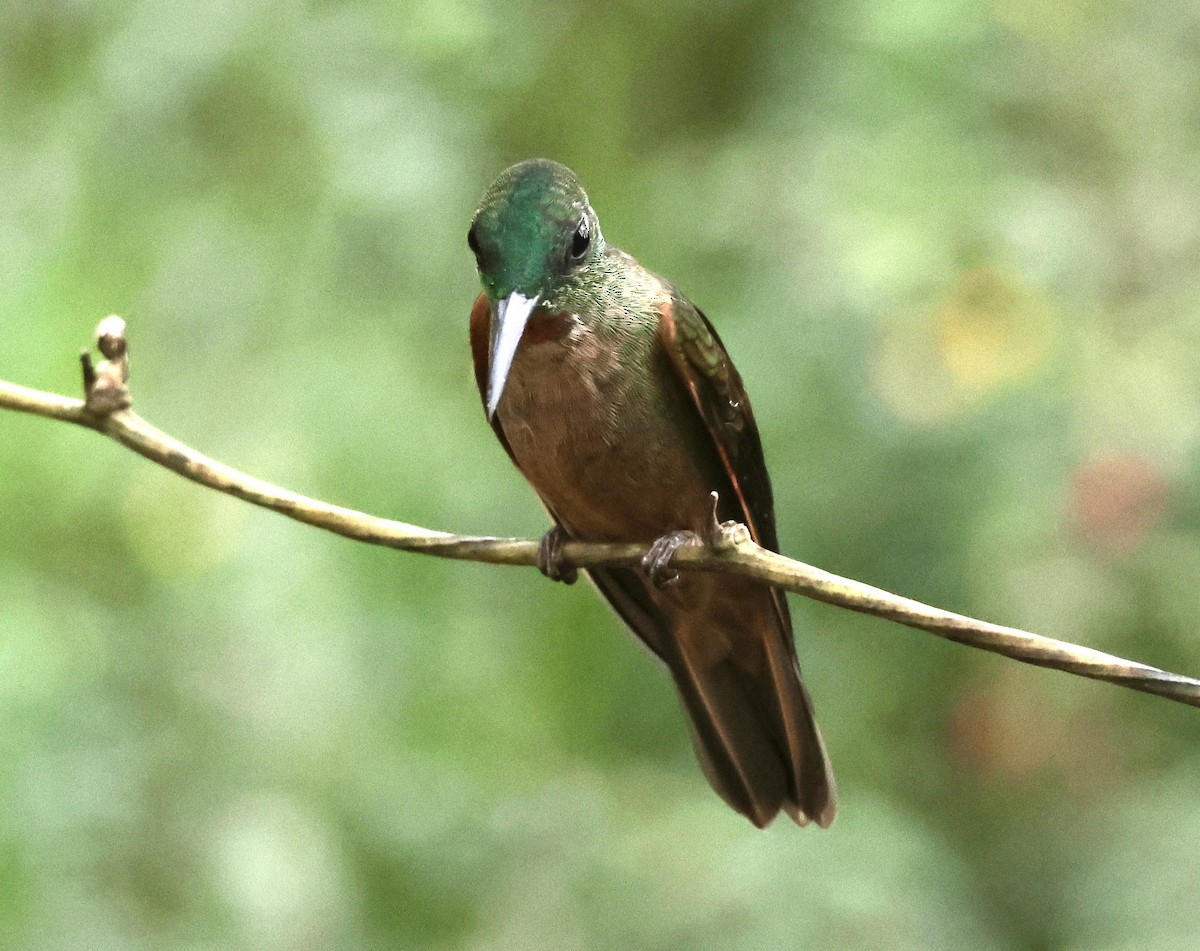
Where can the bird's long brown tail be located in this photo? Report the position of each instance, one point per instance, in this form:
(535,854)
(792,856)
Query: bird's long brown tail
(750,714)
(728,648)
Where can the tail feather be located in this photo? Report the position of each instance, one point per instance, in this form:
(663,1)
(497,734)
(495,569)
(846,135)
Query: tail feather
(739,757)
(751,719)
(728,648)
(813,791)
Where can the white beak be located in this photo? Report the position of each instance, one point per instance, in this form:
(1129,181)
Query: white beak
(508,324)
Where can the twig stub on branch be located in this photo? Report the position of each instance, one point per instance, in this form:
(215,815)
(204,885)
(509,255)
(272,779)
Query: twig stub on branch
(106,385)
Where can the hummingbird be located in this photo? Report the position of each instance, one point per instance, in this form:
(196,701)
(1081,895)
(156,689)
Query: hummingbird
(617,401)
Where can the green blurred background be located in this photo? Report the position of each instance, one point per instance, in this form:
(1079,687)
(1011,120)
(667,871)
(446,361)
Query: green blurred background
(955,250)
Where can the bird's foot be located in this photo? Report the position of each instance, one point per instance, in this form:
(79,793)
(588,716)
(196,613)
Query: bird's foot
(550,558)
(657,561)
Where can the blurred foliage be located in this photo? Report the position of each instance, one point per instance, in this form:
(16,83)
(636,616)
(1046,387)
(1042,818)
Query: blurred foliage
(955,249)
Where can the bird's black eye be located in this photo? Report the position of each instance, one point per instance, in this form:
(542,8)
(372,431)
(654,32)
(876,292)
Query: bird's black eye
(473,241)
(580,241)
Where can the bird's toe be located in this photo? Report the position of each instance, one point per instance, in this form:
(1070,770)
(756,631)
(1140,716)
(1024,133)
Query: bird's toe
(552,561)
(657,561)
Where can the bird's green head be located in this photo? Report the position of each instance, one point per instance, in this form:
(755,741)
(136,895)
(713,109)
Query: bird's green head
(534,230)
(535,235)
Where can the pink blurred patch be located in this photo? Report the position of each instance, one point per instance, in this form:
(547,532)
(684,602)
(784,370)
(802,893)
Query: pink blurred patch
(1009,730)
(1117,500)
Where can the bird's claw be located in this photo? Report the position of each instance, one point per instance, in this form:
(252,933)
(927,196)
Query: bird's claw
(657,561)
(551,561)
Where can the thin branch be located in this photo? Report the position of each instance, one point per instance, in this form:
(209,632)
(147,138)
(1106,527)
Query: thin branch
(728,548)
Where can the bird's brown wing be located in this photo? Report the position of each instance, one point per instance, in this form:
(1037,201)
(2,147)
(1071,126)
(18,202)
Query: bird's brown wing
(717,392)
(716,389)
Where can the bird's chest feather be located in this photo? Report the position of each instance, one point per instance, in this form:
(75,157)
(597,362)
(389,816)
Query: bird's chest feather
(602,434)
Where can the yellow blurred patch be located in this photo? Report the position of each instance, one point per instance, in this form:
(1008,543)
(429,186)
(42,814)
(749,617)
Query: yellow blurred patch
(989,330)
